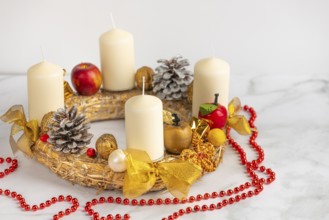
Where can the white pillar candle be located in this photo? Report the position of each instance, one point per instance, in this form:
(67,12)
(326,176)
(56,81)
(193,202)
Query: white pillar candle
(211,75)
(144,125)
(45,89)
(117,60)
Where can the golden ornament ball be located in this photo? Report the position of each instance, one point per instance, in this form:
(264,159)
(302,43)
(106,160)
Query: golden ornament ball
(146,72)
(190,93)
(47,119)
(216,136)
(105,145)
(177,137)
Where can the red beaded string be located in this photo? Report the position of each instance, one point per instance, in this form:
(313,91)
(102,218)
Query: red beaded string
(22,202)
(238,193)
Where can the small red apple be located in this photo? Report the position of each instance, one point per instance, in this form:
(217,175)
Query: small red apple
(86,79)
(214,112)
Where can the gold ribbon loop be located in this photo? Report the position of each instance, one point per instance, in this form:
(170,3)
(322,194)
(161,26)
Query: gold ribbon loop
(68,91)
(15,115)
(177,175)
(235,121)
(200,125)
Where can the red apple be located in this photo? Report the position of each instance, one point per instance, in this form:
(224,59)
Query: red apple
(86,79)
(214,112)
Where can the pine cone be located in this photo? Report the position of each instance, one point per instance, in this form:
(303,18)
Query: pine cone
(172,78)
(69,131)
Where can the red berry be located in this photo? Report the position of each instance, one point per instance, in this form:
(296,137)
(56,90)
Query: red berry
(44,137)
(91,152)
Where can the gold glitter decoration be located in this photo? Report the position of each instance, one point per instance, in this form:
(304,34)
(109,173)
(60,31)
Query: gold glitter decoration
(45,122)
(167,117)
(203,153)
(146,72)
(105,145)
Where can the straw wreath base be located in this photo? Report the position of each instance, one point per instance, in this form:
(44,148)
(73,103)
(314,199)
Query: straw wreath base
(95,172)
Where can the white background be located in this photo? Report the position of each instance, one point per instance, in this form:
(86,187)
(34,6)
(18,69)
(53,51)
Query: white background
(254,36)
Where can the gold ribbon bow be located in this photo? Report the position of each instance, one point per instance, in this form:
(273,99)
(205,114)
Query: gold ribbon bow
(235,121)
(141,175)
(30,129)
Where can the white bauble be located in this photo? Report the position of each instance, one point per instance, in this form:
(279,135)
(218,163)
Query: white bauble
(117,161)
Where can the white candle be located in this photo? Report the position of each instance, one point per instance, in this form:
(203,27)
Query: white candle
(211,75)
(117,60)
(144,125)
(45,89)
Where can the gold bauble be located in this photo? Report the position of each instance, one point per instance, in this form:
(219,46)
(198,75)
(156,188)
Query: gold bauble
(177,138)
(189,93)
(146,72)
(105,145)
(45,122)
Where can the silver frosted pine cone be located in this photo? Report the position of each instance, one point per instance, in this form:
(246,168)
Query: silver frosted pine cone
(171,78)
(69,131)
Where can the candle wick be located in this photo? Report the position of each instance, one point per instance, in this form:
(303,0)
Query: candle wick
(112,21)
(143,86)
(42,53)
(212,48)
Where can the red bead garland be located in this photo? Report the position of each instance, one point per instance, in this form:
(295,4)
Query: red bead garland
(21,200)
(235,194)
(11,168)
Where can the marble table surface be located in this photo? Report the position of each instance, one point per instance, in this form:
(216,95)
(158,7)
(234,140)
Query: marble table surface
(293,130)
